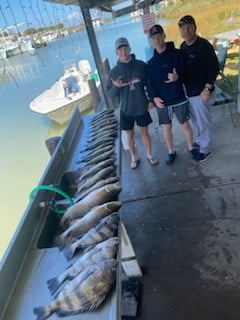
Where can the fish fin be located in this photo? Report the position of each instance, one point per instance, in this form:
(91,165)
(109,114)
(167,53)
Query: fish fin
(95,305)
(92,306)
(69,240)
(89,246)
(60,242)
(53,285)
(41,313)
(69,252)
(64,313)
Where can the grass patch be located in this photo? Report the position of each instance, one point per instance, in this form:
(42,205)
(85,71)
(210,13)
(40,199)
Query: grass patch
(231,71)
(212,17)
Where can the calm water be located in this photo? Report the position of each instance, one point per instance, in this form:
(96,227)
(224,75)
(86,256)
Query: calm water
(24,155)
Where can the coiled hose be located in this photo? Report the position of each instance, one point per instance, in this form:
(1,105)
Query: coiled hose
(55,189)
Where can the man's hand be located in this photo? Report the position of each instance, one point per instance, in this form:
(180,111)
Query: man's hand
(159,102)
(205,95)
(150,106)
(172,77)
(117,83)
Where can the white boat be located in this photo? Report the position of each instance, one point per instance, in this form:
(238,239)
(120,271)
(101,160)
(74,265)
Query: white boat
(11,48)
(56,105)
(3,54)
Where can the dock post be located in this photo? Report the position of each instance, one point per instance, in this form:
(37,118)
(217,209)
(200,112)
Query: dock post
(94,93)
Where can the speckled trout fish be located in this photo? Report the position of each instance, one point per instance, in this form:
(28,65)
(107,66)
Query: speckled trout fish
(98,184)
(105,173)
(85,292)
(102,251)
(96,197)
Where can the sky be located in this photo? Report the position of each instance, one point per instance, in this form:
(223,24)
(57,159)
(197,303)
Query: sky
(25,14)
(20,15)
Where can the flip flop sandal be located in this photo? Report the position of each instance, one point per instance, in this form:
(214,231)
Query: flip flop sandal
(134,164)
(153,161)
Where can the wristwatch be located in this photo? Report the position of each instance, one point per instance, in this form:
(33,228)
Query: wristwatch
(207,89)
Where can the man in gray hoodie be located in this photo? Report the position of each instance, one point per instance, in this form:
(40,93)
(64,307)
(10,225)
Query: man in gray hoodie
(129,82)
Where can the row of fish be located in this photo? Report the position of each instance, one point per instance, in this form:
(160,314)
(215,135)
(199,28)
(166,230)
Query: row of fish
(89,228)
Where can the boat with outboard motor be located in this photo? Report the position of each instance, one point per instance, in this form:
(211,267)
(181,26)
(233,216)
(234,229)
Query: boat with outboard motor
(58,103)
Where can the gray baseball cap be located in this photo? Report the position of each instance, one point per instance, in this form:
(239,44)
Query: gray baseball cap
(121,42)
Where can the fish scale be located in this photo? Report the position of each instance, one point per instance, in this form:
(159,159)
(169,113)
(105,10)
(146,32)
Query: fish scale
(105,229)
(85,223)
(98,184)
(85,292)
(94,198)
(102,251)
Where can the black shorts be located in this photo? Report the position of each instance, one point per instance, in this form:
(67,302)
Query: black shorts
(127,123)
(165,114)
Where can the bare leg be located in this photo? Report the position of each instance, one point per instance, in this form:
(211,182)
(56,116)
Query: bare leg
(131,144)
(146,140)
(187,130)
(167,130)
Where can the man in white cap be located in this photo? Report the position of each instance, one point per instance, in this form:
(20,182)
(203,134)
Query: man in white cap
(128,81)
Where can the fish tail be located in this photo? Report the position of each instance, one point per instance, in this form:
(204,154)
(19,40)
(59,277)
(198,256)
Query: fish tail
(69,252)
(60,242)
(41,313)
(53,285)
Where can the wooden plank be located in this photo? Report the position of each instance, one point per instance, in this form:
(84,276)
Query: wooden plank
(128,257)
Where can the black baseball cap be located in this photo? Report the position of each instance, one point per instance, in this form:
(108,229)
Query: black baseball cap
(186,20)
(155,30)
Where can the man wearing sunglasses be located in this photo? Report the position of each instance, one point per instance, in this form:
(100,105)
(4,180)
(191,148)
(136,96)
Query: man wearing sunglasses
(202,71)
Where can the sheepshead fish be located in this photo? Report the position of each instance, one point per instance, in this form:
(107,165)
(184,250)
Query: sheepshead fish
(85,292)
(105,229)
(85,223)
(96,197)
(81,194)
(102,251)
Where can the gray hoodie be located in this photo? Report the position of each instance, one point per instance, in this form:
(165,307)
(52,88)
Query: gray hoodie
(133,97)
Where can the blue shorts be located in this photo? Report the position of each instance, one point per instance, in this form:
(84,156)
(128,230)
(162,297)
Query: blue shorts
(127,123)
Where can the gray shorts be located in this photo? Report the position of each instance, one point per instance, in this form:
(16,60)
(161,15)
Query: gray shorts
(165,115)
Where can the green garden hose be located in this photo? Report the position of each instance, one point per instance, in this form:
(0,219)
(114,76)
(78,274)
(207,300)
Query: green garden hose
(55,189)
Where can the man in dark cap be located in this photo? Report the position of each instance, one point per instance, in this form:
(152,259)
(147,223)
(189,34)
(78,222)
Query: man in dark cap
(167,71)
(127,81)
(202,71)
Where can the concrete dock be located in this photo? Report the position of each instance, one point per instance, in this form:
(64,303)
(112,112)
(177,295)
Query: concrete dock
(184,224)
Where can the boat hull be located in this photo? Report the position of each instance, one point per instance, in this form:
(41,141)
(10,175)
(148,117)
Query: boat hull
(62,115)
